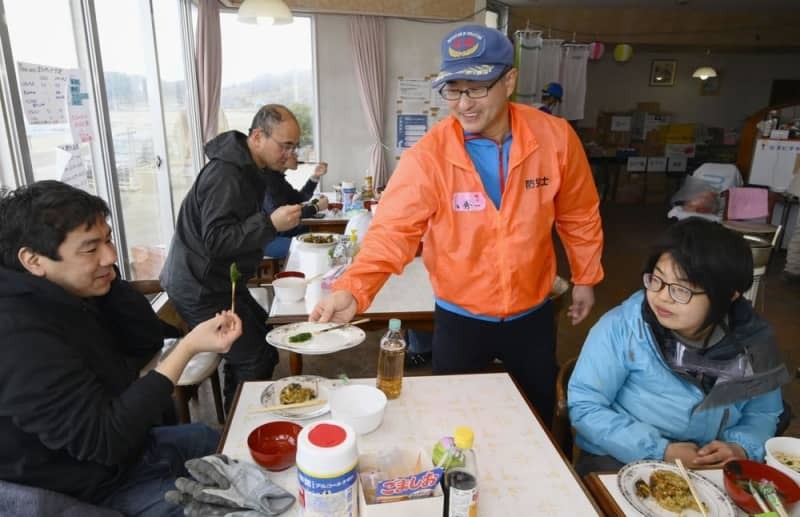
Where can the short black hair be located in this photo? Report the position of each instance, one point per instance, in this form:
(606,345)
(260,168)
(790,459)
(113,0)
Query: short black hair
(712,257)
(269,116)
(40,215)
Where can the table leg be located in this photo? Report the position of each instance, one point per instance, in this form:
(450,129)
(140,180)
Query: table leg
(295,363)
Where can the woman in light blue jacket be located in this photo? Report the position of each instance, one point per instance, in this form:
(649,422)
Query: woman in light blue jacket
(683,369)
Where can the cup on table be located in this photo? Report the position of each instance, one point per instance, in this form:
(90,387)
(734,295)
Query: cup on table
(290,286)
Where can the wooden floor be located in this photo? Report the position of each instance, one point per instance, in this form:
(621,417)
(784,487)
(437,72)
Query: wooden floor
(629,231)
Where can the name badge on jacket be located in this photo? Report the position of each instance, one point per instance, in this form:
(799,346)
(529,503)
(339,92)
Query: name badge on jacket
(469,201)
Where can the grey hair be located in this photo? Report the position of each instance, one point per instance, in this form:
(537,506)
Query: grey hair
(269,116)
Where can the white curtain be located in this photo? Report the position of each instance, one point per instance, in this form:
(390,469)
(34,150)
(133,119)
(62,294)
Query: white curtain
(209,66)
(368,36)
(573,80)
(528,45)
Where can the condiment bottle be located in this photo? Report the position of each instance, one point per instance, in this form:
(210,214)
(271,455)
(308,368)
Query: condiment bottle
(461,477)
(391,357)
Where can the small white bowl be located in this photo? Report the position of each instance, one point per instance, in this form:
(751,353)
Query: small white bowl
(786,445)
(359,406)
(290,288)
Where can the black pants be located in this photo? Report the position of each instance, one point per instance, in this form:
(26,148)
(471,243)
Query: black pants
(250,358)
(526,346)
(588,463)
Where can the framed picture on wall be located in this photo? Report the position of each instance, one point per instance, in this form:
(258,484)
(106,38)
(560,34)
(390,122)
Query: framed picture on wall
(710,86)
(662,72)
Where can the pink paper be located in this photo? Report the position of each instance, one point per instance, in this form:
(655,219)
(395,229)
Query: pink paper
(747,203)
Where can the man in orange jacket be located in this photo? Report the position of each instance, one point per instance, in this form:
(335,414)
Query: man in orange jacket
(485,187)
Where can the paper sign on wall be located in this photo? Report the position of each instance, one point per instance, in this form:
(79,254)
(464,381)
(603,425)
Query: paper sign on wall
(43,90)
(413,90)
(657,164)
(71,167)
(410,128)
(676,164)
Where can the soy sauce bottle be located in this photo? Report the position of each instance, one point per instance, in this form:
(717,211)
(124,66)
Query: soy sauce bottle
(460,480)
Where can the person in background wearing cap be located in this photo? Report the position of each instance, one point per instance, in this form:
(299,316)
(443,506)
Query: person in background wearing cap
(280,192)
(485,187)
(551,97)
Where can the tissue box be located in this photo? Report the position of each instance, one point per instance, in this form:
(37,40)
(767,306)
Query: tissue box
(431,506)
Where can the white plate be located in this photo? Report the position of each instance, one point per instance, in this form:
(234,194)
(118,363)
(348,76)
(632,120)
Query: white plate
(300,241)
(717,503)
(271,396)
(324,343)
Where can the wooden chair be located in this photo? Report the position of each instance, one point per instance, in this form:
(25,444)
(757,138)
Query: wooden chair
(561,429)
(267,270)
(201,367)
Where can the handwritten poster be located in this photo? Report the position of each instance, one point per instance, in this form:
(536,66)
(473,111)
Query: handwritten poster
(410,128)
(44,92)
(71,167)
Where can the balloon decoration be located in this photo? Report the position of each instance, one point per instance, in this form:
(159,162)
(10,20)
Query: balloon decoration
(623,53)
(596,50)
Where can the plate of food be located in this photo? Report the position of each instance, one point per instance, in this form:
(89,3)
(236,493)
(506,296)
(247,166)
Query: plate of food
(312,338)
(318,240)
(296,389)
(656,489)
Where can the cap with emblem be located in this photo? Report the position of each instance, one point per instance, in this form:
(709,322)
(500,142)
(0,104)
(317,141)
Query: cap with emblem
(553,90)
(474,53)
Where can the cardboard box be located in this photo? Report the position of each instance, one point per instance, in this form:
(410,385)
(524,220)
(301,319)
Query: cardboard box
(620,123)
(649,107)
(657,164)
(432,506)
(680,150)
(636,164)
(643,123)
(679,134)
(676,164)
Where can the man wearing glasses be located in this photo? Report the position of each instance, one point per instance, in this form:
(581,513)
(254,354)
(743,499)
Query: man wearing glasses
(221,222)
(485,187)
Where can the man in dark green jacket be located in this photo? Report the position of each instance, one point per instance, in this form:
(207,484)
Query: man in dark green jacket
(221,222)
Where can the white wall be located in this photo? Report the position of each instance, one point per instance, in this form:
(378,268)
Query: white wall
(745,85)
(412,50)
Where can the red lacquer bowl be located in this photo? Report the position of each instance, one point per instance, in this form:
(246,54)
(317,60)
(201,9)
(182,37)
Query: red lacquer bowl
(274,445)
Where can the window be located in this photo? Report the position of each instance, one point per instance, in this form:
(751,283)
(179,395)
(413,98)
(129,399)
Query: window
(47,68)
(270,64)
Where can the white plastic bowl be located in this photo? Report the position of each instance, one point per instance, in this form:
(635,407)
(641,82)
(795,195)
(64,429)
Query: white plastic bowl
(359,406)
(290,288)
(785,445)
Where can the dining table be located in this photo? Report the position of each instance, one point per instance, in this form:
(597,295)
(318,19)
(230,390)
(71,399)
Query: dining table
(521,471)
(407,296)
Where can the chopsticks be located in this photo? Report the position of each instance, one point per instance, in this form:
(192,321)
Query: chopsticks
(277,407)
(357,322)
(686,477)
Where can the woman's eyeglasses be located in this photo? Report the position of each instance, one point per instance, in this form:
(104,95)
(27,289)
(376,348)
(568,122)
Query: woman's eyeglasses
(677,292)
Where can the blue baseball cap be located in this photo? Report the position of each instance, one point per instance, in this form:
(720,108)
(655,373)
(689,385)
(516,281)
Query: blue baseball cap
(474,53)
(553,90)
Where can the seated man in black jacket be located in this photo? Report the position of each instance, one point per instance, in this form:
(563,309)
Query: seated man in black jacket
(221,222)
(280,192)
(75,417)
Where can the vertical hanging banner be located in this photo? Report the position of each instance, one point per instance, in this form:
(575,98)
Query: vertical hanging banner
(78,108)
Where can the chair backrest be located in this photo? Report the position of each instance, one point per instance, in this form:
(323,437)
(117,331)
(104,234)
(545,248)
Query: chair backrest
(161,303)
(562,428)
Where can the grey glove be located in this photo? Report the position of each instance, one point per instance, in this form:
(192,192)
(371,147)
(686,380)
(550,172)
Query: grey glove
(223,484)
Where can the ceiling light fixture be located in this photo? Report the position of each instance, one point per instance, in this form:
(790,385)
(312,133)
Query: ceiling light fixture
(704,72)
(274,12)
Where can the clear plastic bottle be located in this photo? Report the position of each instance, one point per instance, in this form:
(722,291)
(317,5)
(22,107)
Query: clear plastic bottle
(351,247)
(391,357)
(460,480)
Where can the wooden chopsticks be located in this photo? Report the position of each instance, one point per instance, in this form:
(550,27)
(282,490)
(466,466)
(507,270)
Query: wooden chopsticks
(276,407)
(686,477)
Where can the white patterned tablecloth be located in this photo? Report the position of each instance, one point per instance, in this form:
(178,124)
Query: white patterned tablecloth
(520,470)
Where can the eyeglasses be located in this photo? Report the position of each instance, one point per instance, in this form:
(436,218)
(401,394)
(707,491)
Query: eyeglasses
(287,148)
(677,292)
(478,92)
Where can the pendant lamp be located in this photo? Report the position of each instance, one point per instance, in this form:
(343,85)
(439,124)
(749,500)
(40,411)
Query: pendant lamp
(274,12)
(704,72)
